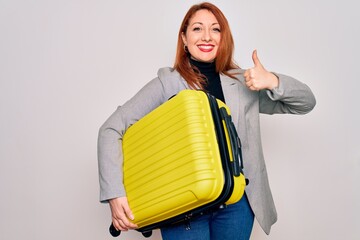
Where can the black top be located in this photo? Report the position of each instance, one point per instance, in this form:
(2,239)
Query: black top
(213,85)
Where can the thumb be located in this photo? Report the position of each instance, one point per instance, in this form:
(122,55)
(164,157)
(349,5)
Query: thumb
(256,59)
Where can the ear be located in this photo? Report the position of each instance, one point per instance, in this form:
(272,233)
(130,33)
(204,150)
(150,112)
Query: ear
(183,36)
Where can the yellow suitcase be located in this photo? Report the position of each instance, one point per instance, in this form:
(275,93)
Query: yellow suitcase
(181,159)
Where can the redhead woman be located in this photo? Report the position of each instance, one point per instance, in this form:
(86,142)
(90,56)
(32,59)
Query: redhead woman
(204,60)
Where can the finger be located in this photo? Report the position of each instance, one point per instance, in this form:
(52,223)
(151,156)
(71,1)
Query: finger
(128,215)
(128,211)
(248,83)
(127,224)
(252,88)
(117,225)
(256,59)
(124,222)
(120,221)
(252,73)
(123,225)
(246,74)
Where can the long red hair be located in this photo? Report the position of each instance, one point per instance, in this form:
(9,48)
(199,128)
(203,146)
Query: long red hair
(224,59)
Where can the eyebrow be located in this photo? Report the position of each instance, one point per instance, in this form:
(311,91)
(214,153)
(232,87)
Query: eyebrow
(203,24)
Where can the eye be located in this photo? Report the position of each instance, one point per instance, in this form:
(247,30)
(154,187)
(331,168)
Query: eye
(216,30)
(196,29)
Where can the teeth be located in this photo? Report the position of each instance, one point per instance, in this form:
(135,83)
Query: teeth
(206,47)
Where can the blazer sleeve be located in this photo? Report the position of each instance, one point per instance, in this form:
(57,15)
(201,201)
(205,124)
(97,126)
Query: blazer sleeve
(110,155)
(291,96)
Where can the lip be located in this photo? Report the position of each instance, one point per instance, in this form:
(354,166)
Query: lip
(205,47)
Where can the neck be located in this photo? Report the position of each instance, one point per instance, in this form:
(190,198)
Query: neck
(204,67)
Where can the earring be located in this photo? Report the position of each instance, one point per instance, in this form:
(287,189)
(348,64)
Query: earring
(186,50)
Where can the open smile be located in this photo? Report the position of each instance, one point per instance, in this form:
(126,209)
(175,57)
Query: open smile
(206,47)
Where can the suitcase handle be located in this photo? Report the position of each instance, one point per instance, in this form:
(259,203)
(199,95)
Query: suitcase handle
(237,163)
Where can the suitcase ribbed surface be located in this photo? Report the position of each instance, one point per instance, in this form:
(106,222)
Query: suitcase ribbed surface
(171,159)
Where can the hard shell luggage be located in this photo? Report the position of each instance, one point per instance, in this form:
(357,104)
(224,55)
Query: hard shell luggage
(180,160)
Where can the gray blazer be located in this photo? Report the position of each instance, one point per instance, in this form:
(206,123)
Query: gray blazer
(291,96)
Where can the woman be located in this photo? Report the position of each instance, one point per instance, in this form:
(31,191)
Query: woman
(204,60)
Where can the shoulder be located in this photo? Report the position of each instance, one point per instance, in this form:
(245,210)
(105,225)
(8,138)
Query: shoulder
(171,80)
(168,72)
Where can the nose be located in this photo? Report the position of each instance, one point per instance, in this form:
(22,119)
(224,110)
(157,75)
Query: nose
(206,36)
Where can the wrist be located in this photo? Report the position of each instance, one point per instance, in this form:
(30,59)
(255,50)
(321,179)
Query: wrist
(274,82)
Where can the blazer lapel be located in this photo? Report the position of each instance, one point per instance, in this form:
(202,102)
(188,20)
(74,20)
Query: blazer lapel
(231,92)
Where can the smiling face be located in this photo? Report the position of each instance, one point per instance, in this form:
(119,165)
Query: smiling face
(202,36)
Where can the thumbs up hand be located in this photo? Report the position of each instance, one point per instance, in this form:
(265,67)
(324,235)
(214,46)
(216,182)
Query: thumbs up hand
(258,78)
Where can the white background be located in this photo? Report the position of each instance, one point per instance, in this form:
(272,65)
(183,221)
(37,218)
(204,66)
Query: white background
(66,65)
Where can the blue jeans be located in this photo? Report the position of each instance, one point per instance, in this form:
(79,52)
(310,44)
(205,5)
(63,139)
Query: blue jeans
(235,222)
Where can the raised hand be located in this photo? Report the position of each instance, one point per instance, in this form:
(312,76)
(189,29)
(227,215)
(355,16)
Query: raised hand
(258,78)
(121,214)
